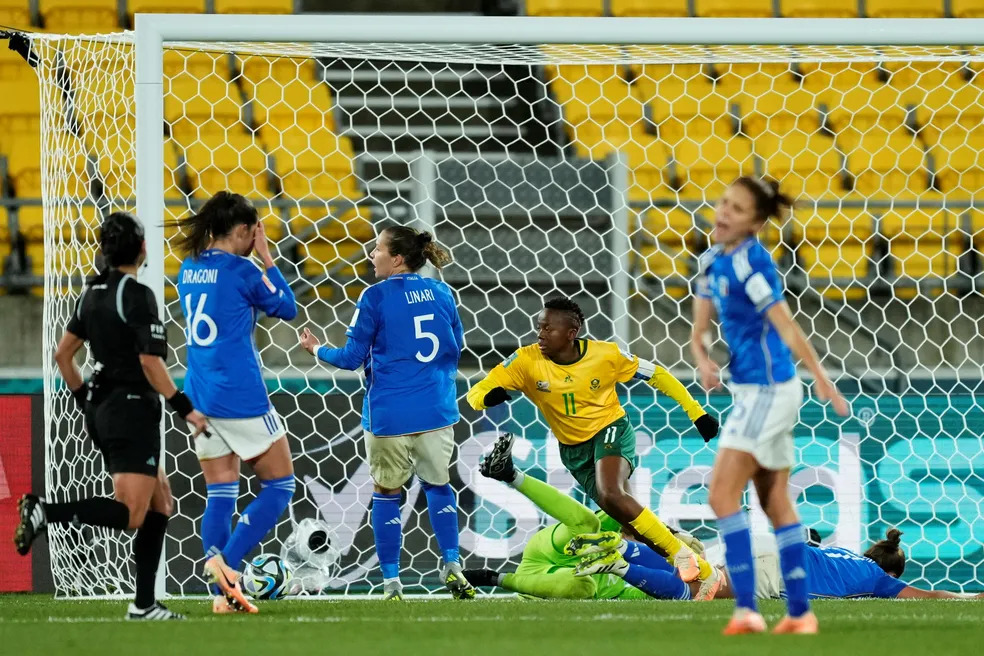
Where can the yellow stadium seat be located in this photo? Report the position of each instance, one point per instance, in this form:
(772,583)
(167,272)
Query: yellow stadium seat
(892,167)
(755,78)
(348,255)
(729,8)
(824,76)
(707,166)
(20,110)
(257,70)
(237,165)
(804,164)
(296,102)
(13,66)
(312,165)
(30,222)
(16,14)
(946,106)
(668,82)
(194,107)
(668,8)
(959,159)
(919,79)
(918,242)
(353,224)
(669,226)
(4,225)
(778,112)
(254,6)
(862,108)
(905,8)
(165,7)
(967,8)
(819,8)
(563,8)
(700,117)
(661,261)
(836,244)
(647,158)
(80,15)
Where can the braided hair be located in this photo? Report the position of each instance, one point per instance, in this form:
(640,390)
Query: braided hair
(569,307)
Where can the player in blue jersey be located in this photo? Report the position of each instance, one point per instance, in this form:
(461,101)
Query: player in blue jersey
(832,572)
(738,279)
(407,336)
(223,293)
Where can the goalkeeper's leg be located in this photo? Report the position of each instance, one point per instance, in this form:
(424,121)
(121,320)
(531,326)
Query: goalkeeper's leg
(575,517)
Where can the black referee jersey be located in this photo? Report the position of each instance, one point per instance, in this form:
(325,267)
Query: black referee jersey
(118,317)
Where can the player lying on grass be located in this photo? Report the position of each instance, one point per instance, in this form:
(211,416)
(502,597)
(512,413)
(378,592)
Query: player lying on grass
(831,572)
(572,381)
(547,569)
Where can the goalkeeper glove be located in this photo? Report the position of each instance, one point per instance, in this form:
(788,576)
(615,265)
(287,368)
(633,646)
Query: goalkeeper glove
(496,396)
(482,578)
(707,426)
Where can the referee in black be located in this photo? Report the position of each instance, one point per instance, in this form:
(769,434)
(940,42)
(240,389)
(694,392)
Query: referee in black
(118,317)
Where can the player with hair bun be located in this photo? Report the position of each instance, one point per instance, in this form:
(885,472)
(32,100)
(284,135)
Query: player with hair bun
(407,336)
(117,316)
(572,381)
(739,280)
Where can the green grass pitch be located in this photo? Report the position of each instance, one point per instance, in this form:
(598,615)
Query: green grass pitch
(501,627)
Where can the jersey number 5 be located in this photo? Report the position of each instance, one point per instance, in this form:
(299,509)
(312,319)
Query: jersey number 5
(195,321)
(420,333)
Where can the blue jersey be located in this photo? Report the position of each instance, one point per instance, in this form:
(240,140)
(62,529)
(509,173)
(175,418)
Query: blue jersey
(744,284)
(407,335)
(839,573)
(222,296)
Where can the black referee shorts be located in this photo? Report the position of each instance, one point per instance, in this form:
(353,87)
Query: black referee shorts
(126,426)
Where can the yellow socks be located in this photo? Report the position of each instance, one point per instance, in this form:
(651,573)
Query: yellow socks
(650,527)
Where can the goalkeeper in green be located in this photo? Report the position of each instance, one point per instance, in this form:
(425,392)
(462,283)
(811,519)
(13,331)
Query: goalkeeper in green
(554,563)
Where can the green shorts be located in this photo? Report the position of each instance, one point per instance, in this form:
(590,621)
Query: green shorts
(616,439)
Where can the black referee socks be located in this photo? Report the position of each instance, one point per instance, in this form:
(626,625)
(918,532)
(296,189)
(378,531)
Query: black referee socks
(94,511)
(147,547)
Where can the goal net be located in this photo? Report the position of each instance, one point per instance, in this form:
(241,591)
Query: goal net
(590,171)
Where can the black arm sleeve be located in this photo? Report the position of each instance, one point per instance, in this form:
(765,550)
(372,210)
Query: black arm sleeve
(76,325)
(140,311)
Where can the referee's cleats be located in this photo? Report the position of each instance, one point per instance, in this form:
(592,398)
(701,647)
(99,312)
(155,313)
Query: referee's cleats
(32,522)
(498,465)
(157,612)
(219,573)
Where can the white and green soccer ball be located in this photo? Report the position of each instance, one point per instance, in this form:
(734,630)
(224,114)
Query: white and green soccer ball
(267,576)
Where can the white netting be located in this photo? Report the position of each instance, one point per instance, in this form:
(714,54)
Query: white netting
(591,170)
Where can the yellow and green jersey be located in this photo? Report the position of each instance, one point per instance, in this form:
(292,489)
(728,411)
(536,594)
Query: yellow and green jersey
(577,399)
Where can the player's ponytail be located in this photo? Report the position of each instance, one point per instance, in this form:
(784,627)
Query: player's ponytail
(770,203)
(888,553)
(417,247)
(216,219)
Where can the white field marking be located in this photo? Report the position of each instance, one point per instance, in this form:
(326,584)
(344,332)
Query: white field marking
(960,618)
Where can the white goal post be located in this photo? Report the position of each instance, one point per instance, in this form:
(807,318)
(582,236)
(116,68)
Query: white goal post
(479,128)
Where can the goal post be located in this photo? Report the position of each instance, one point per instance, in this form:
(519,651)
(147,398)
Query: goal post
(570,155)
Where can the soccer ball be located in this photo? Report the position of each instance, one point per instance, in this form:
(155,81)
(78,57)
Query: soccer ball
(267,577)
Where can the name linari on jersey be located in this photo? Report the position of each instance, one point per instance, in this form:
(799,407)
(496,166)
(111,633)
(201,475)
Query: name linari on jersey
(200,276)
(414,296)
